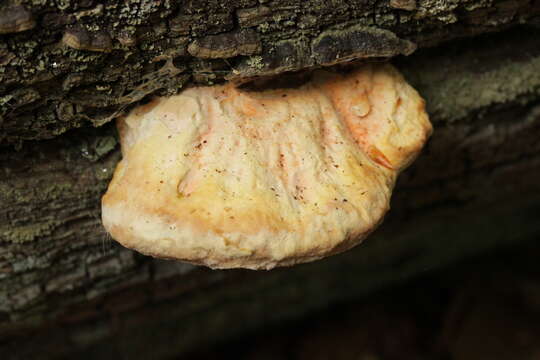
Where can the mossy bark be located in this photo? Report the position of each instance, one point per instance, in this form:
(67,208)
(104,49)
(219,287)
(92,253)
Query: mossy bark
(66,289)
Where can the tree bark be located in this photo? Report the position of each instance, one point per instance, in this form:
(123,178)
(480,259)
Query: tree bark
(67,290)
(68,64)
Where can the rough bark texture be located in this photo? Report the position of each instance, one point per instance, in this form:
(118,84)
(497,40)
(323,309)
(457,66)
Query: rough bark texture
(66,64)
(66,289)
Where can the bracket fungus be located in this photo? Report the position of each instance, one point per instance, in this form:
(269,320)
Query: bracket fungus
(228,177)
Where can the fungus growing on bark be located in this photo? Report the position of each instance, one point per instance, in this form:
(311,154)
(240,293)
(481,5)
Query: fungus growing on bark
(228,177)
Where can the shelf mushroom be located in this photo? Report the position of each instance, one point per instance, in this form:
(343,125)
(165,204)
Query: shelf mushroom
(235,178)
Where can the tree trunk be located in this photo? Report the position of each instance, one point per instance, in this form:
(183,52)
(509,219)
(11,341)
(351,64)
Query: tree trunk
(67,290)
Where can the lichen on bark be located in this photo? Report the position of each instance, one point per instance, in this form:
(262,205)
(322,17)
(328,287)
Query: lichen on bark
(62,278)
(112,49)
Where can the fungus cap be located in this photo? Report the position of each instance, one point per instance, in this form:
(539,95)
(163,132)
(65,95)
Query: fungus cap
(231,178)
